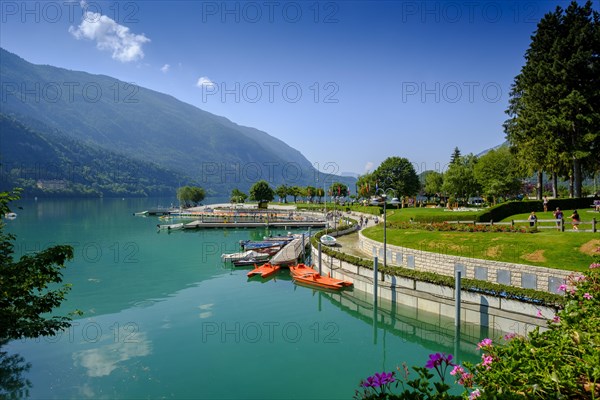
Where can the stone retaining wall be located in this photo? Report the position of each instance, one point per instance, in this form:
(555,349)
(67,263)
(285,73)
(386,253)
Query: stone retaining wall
(483,311)
(518,275)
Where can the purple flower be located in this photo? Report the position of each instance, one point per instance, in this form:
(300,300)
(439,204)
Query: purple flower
(435,360)
(378,380)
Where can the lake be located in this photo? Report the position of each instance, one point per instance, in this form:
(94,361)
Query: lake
(164,318)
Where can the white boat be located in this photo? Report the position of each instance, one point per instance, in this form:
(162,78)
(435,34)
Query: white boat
(244,255)
(328,240)
(10,215)
(171,227)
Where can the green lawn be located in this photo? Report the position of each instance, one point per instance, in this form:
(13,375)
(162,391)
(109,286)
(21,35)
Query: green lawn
(549,248)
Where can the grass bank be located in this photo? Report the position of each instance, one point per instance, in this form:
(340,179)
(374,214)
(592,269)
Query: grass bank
(569,251)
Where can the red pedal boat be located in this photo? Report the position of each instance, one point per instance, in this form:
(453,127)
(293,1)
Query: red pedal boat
(264,270)
(308,276)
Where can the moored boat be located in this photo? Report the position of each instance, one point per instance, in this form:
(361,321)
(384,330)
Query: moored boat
(328,240)
(264,270)
(315,279)
(301,270)
(245,255)
(170,227)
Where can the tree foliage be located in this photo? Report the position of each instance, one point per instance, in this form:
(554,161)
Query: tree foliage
(190,196)
(25,295)
(262,192)
(282,191)
(397,173)
(237,196)
(338,189)
(498,173)
(459,180)
(554,105)
(433,183)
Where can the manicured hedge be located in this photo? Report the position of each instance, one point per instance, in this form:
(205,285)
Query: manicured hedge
(505,210)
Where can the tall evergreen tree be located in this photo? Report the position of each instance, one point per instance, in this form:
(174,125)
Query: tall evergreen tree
(554,105)
(455,156)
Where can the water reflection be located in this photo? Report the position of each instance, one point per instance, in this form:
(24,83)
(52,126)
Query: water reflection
(103,360)
(434,332)
(13,383)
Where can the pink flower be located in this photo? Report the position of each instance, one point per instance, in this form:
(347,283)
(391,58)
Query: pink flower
(587,296)
(487,342)
(562,287)
(487,361)
(474,394)
(510,336)
(556,319)
(595,265)
(457,370)
(539,313)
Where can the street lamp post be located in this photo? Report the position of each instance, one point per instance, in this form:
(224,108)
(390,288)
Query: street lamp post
(393,202)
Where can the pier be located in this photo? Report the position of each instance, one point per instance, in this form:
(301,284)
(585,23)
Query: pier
(199,224)
(290,252)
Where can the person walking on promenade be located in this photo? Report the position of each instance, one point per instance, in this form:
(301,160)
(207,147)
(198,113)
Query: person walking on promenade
(545,203)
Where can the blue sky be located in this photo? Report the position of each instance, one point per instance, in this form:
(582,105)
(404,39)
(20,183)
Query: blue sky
(350,82)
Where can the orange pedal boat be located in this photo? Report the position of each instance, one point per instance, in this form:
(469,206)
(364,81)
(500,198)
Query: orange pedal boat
(301,269)
(264,270)
(308,276)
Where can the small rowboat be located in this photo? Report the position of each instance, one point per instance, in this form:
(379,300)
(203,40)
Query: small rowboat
(264,270)
(170,227)
(328,240)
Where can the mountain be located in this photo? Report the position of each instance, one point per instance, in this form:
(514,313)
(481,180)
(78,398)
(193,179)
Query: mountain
(142,125)
(43,163)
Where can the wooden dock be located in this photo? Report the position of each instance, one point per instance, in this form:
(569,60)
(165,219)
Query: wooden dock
(289,253)
(279,224)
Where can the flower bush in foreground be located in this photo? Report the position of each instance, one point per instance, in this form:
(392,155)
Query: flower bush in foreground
(562,362)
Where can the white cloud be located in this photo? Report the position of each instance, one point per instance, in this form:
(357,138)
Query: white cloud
(165,68)
(369,166)
(204,81)
(108,35)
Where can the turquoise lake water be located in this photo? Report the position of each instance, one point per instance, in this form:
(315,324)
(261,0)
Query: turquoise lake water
(164,318)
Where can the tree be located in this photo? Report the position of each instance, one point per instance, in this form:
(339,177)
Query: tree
(190,196)
(459,180)
(433,183)
(555,100)
(237,196)
(498,173)
(295,191)
(25,295)
(338,189)
(398,174)
(455,156)
(262,192)
(311,192)
(282,192)
(366,185)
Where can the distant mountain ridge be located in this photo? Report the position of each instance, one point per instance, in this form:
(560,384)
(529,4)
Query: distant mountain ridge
(143,125)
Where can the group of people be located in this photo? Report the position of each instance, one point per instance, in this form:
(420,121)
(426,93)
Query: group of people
(558,214)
